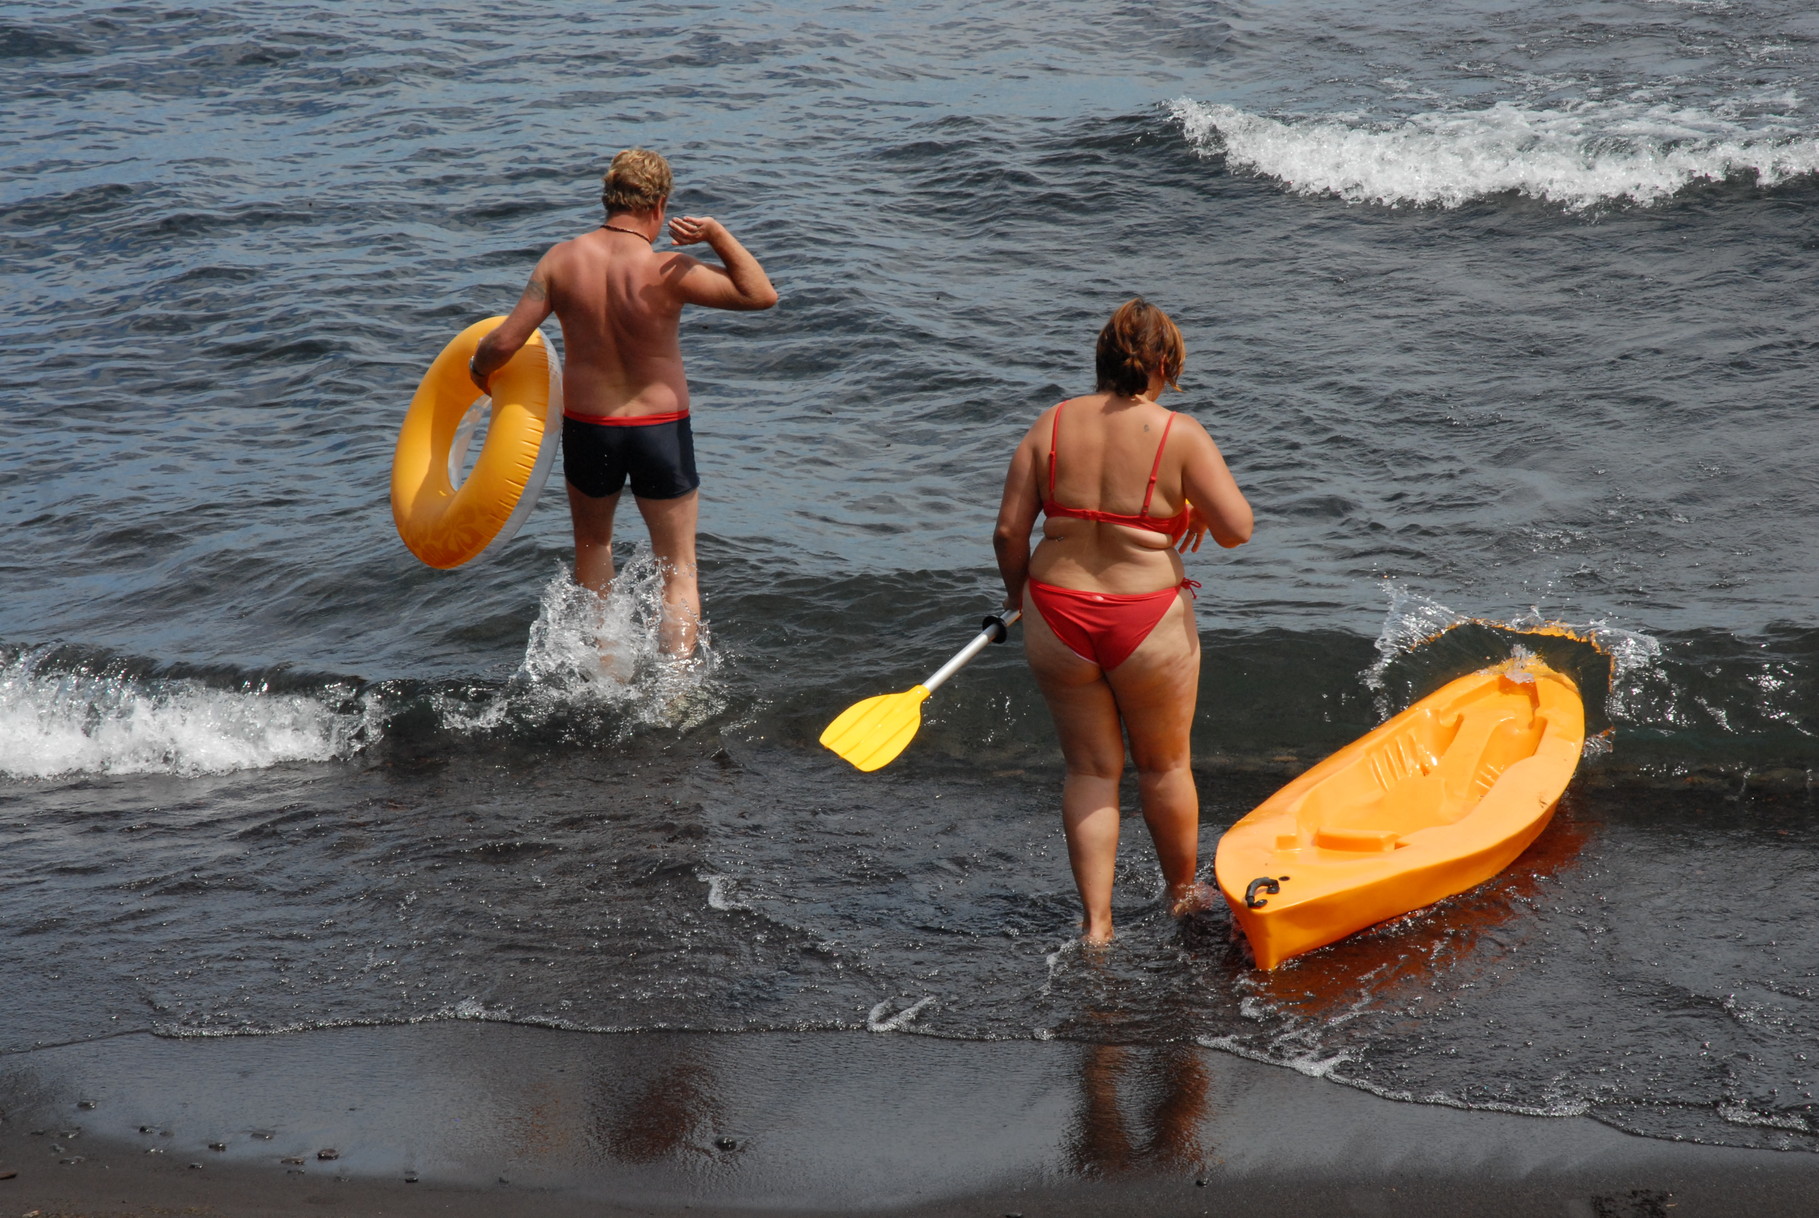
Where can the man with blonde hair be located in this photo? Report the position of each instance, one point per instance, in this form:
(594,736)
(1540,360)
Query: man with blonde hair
(624,396)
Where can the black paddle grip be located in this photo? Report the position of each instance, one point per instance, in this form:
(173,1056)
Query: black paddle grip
(997,625)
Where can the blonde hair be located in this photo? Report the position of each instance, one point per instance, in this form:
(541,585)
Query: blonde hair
(1137,340)
(637,180)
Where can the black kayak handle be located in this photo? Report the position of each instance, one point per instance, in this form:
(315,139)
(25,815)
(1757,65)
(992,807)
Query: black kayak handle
(1251,900)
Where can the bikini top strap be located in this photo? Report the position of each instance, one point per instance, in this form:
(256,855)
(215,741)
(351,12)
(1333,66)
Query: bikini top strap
(1053,435)
(1156,466)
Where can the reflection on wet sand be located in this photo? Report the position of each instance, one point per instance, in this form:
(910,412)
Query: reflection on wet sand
(674,1108)
(1140,1109)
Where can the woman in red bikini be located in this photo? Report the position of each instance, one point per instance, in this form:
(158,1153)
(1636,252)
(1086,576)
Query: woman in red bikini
(1126,487)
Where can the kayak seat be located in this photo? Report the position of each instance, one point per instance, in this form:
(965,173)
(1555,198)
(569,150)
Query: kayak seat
(1410,805)
(1402,787)
(1358,841)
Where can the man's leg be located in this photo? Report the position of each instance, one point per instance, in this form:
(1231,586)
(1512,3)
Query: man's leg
(593,538)
(672,526)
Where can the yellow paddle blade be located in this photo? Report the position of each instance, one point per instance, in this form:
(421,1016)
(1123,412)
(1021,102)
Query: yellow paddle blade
(871,733)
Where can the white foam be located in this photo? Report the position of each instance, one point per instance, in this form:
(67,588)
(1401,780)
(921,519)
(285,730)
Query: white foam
(1737,1114)
(1313,1065)
(590,652)
(719,892)
(584,653)
(876,1021)
(1578,155)
(1413,620)
(55,723)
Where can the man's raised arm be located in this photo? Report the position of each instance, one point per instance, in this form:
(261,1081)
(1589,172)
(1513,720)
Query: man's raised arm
(741,284)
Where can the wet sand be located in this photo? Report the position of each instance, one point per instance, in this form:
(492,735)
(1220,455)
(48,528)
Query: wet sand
(472,1118)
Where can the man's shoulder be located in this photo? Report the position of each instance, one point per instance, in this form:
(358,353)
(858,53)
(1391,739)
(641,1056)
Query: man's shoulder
(580,255)
(594,246)
(574,245)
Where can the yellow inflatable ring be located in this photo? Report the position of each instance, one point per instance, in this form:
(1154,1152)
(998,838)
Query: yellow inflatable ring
(446,524)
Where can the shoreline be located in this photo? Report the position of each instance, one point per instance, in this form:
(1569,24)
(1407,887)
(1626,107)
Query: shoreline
(490,1118)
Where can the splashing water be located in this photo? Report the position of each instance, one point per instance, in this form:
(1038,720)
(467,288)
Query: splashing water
(591,653)
(880,1021)
(111,722)
(1413,622)
(592,669)
(1410,621)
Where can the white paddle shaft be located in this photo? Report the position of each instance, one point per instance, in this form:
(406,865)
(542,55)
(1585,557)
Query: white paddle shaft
(1000,626)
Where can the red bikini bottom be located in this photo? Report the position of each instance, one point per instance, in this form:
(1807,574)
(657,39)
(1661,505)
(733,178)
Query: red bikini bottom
(1103,627)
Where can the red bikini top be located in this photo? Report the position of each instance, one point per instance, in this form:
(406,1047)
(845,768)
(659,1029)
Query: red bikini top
(1173,527)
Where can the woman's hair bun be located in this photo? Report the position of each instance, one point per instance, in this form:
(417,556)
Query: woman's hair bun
(1138,339)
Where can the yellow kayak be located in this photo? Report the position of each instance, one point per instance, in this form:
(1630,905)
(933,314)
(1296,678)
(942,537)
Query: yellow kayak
(1437,800)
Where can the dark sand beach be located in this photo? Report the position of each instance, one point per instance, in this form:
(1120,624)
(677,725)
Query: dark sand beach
(492,1119)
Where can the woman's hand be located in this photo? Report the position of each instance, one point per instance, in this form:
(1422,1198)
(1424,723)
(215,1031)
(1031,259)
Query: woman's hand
(1197,526)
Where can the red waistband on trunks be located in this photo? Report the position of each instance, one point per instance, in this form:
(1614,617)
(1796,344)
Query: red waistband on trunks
(626,420)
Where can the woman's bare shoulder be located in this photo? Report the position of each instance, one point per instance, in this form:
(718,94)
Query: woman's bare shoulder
(1190,426)
(1045,417)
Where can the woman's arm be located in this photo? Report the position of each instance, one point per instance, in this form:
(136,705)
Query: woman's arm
(1016,519)
(1219,507)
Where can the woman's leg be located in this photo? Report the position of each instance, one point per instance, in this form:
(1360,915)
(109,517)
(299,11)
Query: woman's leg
(1155,690)
(1086,720)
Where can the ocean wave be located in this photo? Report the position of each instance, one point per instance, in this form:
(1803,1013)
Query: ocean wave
(1412,621)
(1578,155)
(1724,699)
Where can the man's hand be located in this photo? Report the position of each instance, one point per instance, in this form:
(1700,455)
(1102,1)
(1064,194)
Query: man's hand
(474,374)
(740,284)
(687,230)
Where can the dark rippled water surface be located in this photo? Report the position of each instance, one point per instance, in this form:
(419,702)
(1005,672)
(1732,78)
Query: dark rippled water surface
(1501,312)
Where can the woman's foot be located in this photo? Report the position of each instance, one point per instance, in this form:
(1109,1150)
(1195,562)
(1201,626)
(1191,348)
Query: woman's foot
(1095,934)
(1194,898)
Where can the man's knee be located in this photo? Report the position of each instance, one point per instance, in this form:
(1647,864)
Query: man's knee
(678,587)
(593,537)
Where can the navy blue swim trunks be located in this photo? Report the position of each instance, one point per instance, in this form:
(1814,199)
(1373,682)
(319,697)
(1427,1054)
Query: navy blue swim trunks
(657,456)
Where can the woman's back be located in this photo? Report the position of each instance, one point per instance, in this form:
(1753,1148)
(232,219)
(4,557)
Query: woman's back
(1112,473)
(1108,461)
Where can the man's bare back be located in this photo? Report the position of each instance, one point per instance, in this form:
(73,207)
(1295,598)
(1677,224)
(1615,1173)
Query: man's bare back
(620,304)
(625,396)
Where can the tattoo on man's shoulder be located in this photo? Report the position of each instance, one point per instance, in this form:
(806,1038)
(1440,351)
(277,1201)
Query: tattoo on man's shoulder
(536,290)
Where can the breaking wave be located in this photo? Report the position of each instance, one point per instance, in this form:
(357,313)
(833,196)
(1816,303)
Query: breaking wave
(591,669)
(101,719)
(1578,155)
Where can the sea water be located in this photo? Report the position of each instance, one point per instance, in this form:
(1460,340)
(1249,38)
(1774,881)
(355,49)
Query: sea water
(1501,313)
